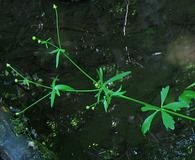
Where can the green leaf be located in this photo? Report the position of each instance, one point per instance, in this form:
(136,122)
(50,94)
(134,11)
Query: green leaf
(26,82)
(192,85)
(117,77)
(168,120)
(105,104)
(187,96)
(164,93)
(148,108)
(57,58)
(54,51)
(101,75)
(54,91)
(64,88)
(52,98)
(147,123)
(176,106)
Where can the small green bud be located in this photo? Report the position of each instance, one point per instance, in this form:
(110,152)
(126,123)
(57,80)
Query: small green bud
(17,114)
(34,38)
(93,108)
(39,41)
(97,85)
(7,65)
(87,107)
(16,80)
(54,6)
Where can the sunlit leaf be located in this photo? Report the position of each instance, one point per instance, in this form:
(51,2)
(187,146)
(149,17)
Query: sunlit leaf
(147,123)
(164,93)
(117,77)
(176,106)
(168,120)
(148,108)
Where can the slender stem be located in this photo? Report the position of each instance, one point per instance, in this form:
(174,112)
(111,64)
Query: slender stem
(134,100)
(16,72)
(40,85)
(83,90)
(18,113)
(79,68)
(178,114)
(37,84)
(57,28)
(53,45)
(59,43)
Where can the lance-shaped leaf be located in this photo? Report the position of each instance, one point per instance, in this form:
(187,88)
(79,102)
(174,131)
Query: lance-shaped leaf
(192,85)
(52,98)
(64,88)
(45,42)
(53,92)
(106,104)
(176,106)
(147,123)
(187,96)
(54,51)
(117,77)
(58,52)
(101,75)
(168,120)
(118,92)
(148,108)
(164,93)
(57,59)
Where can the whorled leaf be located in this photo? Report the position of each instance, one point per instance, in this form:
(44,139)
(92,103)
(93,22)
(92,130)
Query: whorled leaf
(148,108)
(164,93)
(26,82)
(147,123)
(187,96)
(168,120)
(64,88)
(58,52)
(117,77)
(176,106)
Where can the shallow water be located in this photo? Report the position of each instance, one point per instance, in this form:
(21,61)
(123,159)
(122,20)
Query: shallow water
(92,32)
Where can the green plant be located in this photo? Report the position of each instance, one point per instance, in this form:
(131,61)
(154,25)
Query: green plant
(102,92)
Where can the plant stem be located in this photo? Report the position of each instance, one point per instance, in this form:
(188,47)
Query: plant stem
(17,72)
(135,100)
(37,84)
(18,113)
(79,68)
(57,28)
(178,114)
(53,45)
(83,90)
(40,85)
(59,43)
